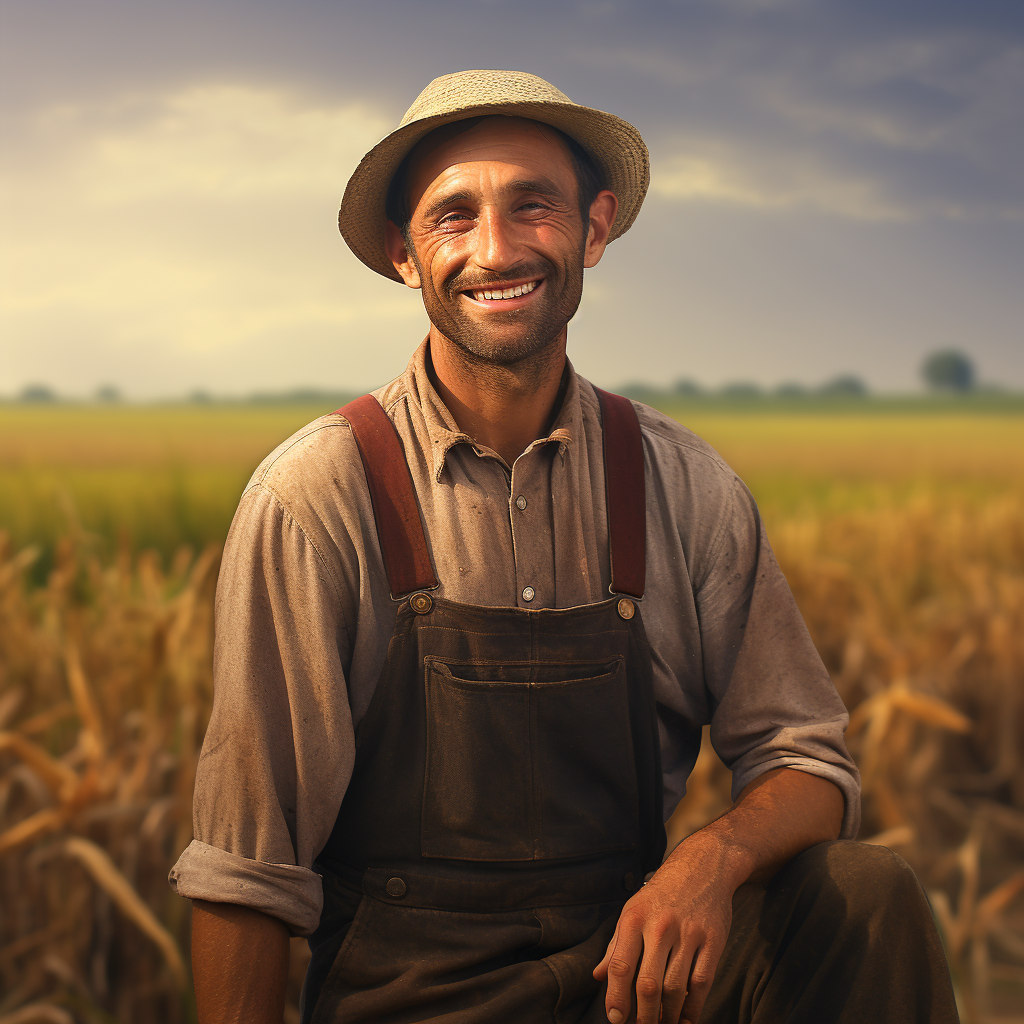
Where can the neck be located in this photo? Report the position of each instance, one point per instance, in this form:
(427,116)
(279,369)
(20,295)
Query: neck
(503,408)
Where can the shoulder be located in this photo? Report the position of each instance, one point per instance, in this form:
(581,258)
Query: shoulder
(676,456)
(708,499)
(694,497)
(312,456)
(670,441)
(311,486)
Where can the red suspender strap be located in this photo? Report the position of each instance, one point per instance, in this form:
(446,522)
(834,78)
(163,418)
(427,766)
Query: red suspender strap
(626,497)
(395,509)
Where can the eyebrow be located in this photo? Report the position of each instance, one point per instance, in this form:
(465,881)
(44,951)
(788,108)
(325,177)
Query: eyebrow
(541,186)
(448,199)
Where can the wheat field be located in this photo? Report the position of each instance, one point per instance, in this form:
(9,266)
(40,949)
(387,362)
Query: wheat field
(902,538)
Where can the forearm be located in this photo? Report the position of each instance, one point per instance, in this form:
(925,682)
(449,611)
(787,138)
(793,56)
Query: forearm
(777,816)
(239,964)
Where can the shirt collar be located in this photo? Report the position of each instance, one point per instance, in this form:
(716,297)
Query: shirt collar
(444,432)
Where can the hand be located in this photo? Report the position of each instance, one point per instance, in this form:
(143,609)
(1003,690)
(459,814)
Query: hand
(678,922)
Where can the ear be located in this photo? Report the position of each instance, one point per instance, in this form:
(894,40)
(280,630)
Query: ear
(602,216)
(394,243)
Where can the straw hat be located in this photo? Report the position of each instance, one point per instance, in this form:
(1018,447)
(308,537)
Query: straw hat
(614,144)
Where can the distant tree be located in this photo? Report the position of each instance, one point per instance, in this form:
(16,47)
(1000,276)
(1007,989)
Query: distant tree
(846,384)
(640,392)
(37,393)
(687,387)
(741,389)
(200,397)
(108,393)
(791,389)
(948,370)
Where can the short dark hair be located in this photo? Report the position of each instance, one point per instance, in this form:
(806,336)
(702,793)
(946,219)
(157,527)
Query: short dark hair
(588,176)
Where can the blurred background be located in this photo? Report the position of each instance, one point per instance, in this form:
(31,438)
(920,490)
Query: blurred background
(826,282)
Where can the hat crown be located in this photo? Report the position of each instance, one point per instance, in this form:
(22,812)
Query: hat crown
(479,89)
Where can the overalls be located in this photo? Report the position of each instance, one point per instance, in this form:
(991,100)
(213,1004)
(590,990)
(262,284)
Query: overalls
(506,798)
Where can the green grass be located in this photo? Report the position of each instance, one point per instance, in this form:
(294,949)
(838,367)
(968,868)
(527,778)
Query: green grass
(162,476)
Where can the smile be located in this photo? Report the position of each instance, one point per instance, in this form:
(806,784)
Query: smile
(513,292)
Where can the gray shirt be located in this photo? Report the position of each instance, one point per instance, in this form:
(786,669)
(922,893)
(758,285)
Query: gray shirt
(303,619)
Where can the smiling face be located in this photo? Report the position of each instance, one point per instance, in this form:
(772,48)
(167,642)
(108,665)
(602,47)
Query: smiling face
(498,245)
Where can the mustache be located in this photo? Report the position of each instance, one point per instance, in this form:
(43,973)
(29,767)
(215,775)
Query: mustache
(472,282)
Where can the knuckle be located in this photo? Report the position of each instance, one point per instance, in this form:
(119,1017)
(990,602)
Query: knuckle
(647,987)
(619,967)
(631,918)
(701,978)
(675,985)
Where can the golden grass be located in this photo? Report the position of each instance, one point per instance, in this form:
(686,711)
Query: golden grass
(918,612)
(911,580)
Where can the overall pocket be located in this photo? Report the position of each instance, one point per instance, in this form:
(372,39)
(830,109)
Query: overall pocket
(531,768)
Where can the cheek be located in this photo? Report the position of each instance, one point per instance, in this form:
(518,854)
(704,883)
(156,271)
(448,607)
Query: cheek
(441,258)
(562,241)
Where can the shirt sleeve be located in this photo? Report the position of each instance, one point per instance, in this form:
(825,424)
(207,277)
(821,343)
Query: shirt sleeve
(279,749)
(774,705)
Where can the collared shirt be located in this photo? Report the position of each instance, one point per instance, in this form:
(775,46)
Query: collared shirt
(304,616)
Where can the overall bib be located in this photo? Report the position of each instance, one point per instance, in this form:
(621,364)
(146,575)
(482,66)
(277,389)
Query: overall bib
(506,798)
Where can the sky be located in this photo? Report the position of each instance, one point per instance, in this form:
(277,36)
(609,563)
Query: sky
(837,187)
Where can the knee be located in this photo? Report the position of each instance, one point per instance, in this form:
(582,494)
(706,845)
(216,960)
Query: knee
(862,882)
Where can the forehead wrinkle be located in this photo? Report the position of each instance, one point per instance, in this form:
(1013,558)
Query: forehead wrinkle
(427,148)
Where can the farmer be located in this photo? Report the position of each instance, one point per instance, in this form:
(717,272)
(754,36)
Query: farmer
(468,631)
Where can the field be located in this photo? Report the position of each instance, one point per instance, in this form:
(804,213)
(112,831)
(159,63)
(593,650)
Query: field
(901,531)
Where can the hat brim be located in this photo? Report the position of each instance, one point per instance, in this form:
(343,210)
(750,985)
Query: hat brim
(614,145)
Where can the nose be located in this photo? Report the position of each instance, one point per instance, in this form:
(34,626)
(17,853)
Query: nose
(496,246)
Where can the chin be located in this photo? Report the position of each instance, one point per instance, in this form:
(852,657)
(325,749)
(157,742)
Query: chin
(505,350)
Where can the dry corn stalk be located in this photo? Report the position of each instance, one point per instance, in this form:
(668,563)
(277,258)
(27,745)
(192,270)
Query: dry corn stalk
(105,690)
(918,612)
(110,671)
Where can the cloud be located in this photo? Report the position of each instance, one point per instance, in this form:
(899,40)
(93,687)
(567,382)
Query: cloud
(835,175)
(195,221)
(847,112)
(718,172)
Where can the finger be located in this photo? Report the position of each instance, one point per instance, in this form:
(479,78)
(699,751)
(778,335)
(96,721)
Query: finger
(677,976)
(701,977)
(622,960)
(601,970)
(649,981)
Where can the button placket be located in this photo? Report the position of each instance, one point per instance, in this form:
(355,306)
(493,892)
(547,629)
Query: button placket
(531,541)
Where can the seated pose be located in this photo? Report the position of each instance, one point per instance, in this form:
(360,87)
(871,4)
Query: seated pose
(468,629)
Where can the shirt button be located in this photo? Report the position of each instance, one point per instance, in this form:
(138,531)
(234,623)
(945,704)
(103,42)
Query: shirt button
(529,593)
(521,502)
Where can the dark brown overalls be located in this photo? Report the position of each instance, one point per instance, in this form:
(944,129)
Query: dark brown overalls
(506,796)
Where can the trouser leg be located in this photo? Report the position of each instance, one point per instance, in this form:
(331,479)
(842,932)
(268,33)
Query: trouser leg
(842,935)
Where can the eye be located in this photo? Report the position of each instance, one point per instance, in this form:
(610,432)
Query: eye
(453,218)
(534,208)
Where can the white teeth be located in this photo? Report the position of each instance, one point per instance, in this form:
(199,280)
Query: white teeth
(505,293)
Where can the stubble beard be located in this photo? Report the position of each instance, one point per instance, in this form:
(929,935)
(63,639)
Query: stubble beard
(506,346)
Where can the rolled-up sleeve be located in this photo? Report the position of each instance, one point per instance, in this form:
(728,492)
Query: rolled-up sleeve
(279,750)
(774,705)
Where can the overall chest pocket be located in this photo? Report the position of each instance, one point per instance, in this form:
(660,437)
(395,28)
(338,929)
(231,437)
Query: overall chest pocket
(531,768)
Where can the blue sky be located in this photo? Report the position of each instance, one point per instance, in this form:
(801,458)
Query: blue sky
(836,187)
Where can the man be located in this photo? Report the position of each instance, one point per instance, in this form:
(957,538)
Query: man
(468,631)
